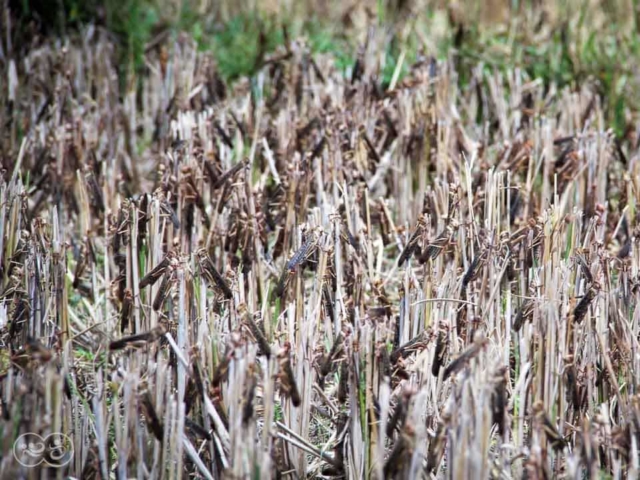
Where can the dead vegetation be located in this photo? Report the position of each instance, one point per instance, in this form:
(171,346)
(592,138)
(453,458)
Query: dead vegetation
(312,276)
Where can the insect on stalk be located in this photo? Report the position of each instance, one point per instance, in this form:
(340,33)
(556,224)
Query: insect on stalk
(125,309)
(211,275)
(400,456)
(80,267)
(571,380)
(417,343)
(36,350)
(499,399)
(143,218)
(464,358)
(584,265)
(223,135)
(435,248)
(196,429)
(525,314)
(167,209)
(556,440)
(163,291)
(153,421)
(583,305)
(20,315)
(287,379)
(154,275)
(397,420)
(139,340)
(95,192)
(222,179)
(436,446)
(474,269)
(412,244)
(440,354)
(305,250)
(249,395)
(327,301)
(120,229)
(222,369)
(328,361)
(256,331)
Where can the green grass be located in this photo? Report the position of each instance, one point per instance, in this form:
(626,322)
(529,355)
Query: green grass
(567,56)
(237,44)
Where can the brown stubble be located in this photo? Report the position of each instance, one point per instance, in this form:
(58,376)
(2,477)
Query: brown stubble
(354,366)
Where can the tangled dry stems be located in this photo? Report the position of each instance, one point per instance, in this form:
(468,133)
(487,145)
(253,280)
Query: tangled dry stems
(311,276)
